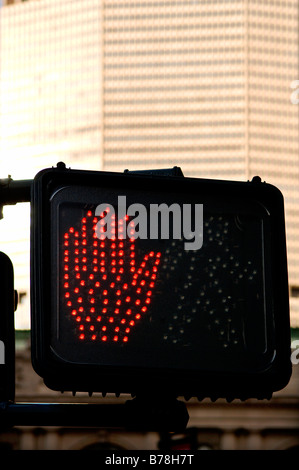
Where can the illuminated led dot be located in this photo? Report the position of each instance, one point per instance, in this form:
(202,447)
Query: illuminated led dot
(81,309)
(105,292)
(104,328)
(137,302)
(123,321)
(66,268)
(138,290)
(148,300)
(127,330)
(66,276)
(105,302)
(81,327)
(104,338)
(99,318)
(129,311)
(149,293)
(125,339)
(88,318)
(125,286)
(132,323)
(78,319)
(89,213)
(138,316)
(81,336)
(91,327)
(69,303)
(116,311)
(76,290)
(82,282)
(66,285)
(104,310)
(74,312)
(144,309)
(97,284)
(115,338)
(142,283)
(118,292)
(128,299)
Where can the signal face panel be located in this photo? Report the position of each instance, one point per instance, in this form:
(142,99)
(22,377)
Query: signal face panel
(129,297)
(151,302)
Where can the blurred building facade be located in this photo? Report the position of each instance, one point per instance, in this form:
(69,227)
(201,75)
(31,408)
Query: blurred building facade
(109,85)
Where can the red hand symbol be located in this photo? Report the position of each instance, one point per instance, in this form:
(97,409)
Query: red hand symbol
(105,292)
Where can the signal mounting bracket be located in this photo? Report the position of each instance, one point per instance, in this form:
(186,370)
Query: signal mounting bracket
(175,171)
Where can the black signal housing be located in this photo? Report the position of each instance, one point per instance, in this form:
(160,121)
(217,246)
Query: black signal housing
(7,331)
(211,322)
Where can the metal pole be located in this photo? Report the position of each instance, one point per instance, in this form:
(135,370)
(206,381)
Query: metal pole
(136,414)
(12,192)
